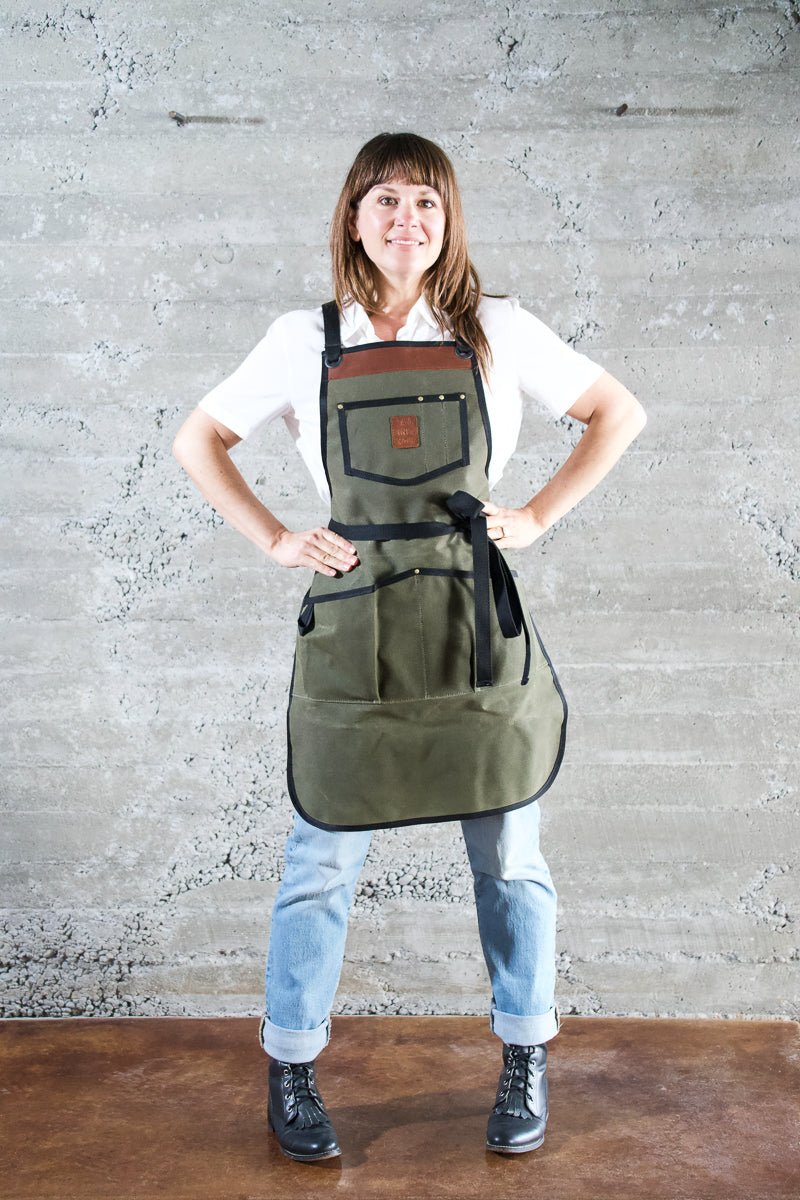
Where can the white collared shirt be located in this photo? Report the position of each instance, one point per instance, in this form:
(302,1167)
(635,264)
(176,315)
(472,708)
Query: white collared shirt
(281,375)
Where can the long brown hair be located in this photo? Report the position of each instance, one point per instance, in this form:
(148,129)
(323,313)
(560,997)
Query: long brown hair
(451,285)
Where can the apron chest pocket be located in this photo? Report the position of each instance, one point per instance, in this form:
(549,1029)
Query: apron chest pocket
(404,440)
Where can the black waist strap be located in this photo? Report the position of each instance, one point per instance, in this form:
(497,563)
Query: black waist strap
(488,566)
(387,533)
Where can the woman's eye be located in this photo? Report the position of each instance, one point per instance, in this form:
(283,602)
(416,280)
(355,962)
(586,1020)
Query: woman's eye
(425,199)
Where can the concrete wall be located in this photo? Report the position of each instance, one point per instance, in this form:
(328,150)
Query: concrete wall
(147,647)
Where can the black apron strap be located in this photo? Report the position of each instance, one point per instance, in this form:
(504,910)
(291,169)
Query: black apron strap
(490,568)
(384,533)
(333,337)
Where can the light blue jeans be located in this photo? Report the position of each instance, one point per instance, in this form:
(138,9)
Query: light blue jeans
(516,909)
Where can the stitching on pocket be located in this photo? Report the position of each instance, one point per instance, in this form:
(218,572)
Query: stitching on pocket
(418,599)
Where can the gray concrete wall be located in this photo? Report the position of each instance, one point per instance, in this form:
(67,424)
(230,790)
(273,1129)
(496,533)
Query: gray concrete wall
(147,646)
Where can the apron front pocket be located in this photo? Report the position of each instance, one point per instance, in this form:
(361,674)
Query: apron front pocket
(447,605)
(404,440)
(335,658)
(424,636)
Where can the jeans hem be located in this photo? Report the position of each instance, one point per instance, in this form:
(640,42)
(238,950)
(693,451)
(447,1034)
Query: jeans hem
(525,1031)
(293,1045)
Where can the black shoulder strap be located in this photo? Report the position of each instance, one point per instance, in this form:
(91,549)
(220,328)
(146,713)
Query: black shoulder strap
(333,336)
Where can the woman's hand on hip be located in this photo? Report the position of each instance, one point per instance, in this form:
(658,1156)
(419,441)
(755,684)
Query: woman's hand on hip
(511,528)
(320,548)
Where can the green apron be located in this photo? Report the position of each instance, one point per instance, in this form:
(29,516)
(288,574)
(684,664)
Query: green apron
(421,690)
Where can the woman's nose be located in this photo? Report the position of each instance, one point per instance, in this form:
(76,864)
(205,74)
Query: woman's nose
(404,212)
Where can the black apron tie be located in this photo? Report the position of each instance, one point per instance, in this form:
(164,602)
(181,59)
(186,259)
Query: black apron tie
(488,564)
(305,620)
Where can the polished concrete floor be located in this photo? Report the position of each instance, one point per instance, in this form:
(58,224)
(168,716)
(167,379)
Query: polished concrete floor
(176,1108)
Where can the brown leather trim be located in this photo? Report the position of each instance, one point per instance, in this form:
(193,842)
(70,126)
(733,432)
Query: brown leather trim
(398,358)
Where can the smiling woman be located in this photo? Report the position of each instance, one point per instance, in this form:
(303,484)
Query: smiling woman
(421,690)
(402,187)
(401,227)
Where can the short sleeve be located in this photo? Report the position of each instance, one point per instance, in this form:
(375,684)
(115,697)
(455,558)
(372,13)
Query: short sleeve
(549,369)
(259,389)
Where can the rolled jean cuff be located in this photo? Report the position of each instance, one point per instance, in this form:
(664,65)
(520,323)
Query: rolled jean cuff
(525,1031)
(293,1045)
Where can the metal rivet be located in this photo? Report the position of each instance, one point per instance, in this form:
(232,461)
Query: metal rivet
(463,397)
(340,406)
(441,397)
(416,570)
(420,397)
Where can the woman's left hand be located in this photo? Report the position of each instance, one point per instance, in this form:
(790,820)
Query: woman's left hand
(511,528)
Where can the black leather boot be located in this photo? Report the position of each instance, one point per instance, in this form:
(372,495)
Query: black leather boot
(296,1112)
(517,1121)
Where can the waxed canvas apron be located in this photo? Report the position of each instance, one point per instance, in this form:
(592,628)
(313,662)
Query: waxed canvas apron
(420,690)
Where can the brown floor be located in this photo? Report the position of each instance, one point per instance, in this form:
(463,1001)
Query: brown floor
(175,1108)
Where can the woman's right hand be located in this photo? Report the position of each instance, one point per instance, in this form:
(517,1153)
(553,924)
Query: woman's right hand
(320,548)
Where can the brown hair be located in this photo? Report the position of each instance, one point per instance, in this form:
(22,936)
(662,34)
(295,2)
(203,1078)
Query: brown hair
(451,285)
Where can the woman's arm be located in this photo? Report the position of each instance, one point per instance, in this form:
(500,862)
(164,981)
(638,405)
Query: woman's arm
(201,447)
(613,418)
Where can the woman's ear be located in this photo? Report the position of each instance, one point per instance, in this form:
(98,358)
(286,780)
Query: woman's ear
(352,221)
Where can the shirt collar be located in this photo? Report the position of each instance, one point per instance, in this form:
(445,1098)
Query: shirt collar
(355,319)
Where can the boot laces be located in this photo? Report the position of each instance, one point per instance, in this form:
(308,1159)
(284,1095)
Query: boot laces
(310,1107)
(515,1093)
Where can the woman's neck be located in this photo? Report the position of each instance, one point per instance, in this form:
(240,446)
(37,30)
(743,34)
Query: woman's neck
(387,326)
(391,314)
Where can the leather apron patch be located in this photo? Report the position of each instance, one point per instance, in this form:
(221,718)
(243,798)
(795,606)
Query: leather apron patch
(405,431)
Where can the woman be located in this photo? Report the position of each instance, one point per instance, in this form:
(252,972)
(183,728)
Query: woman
(421,690)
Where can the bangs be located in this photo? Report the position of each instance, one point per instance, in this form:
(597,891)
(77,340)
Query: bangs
(405,162)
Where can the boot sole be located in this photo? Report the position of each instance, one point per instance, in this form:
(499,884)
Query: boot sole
(515,1149)
(303,1157)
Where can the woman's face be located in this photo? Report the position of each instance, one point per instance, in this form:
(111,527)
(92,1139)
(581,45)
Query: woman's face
(401,226)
